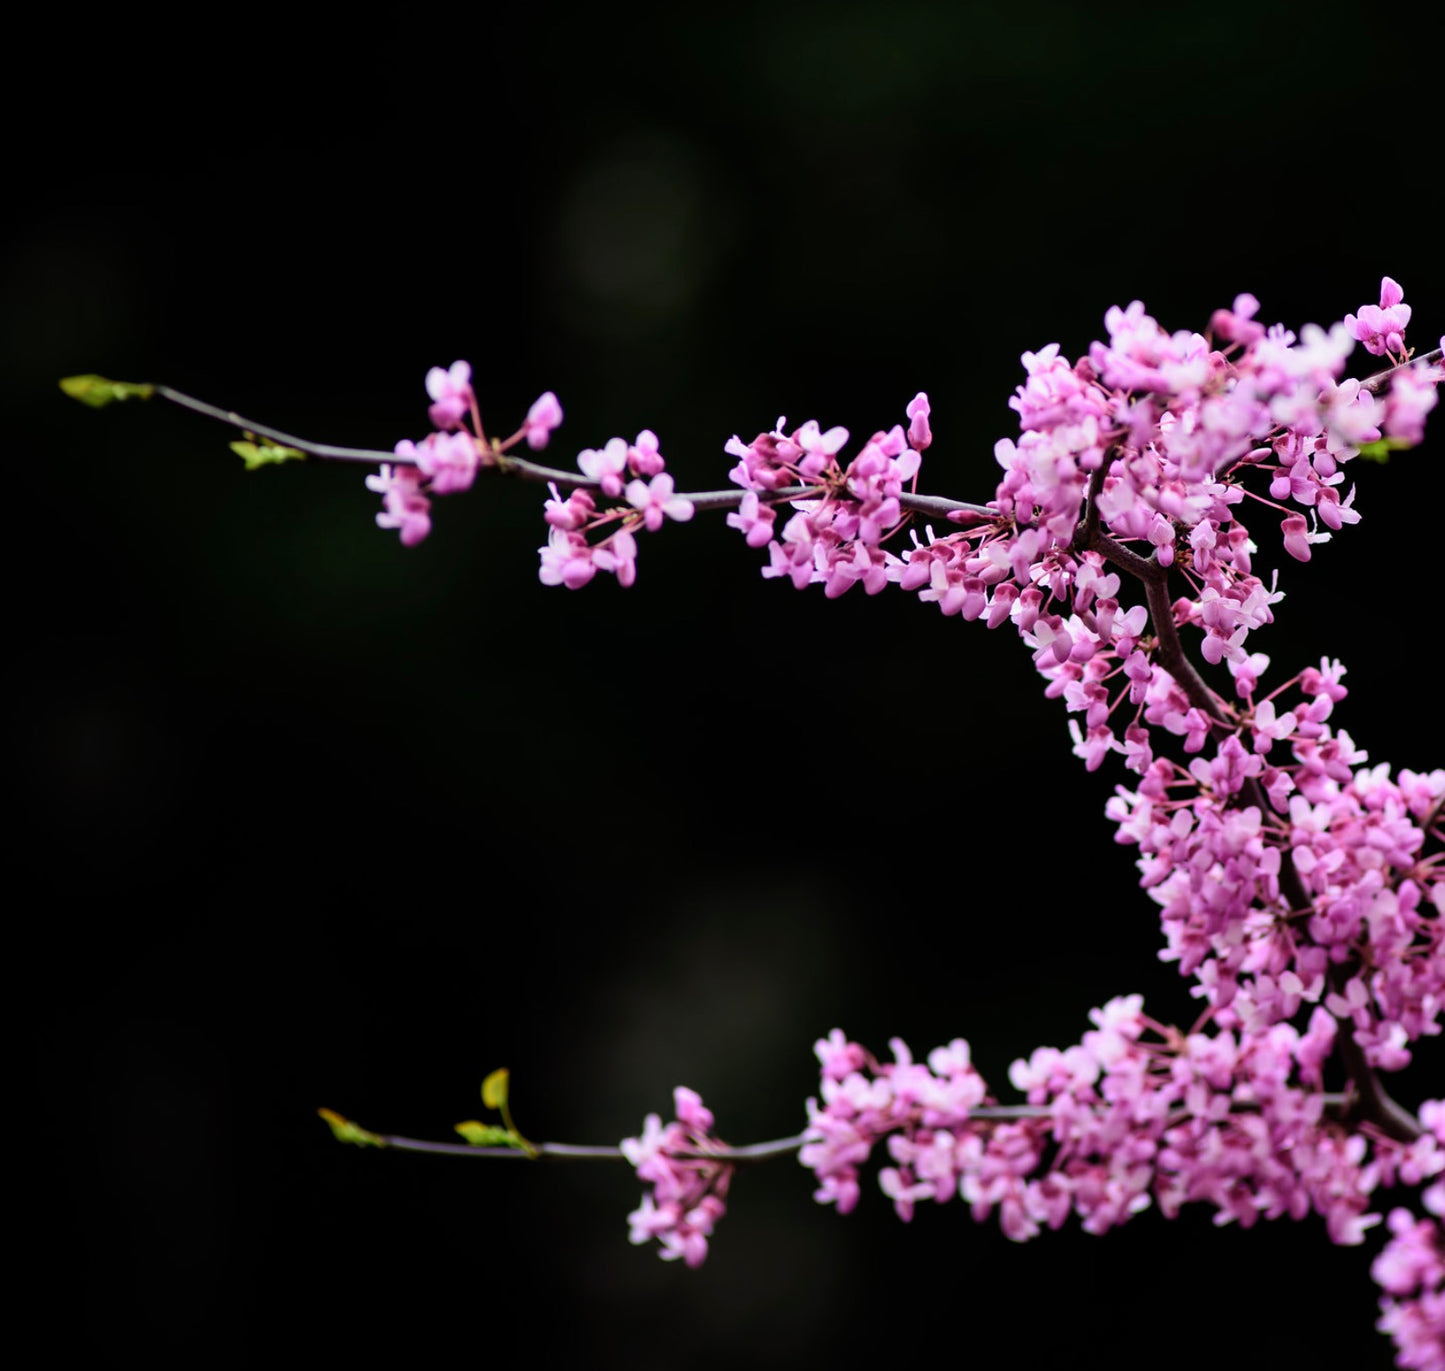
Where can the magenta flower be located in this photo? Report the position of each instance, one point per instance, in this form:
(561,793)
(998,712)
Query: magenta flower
(404,506)
(919,433)
(605,466)
(573,513)
(644,457)
(657,501)
(819,448)
(566,560)
(1414,392)
(754,520)
(688,1186)
(451,391)
(448,460)
(542,418)
(1381,328)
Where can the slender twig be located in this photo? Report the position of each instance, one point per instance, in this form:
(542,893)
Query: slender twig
(504,464)
(229,416)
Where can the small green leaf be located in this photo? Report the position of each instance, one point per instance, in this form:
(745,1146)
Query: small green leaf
(489,1135)
(494,1089)
(97,392)
(348,1132)
(265,454)
(1381,448)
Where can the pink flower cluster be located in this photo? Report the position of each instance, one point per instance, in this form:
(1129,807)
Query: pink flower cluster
(1411,1268)
(1133,1115)
(1299,889)
(1369,943)
(1144,449)
(925,1107)
(572,558)
(836,539)
(1292,878)
(446,461)
(689,1182)
(1381,328)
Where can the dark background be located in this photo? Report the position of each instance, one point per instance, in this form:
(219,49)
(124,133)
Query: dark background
(311,819)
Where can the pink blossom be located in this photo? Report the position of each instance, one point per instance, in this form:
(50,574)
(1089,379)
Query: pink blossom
(656,501)
(451,391)
(818,448)
(755,520)
(1237,324)
(605,466)
(449,460)
(1296,537)
(404,506)
(644,456)
(567,560)
(573,513)
(920,435)
(1413,394)
(544,415)
(1381,328)
(688,1186)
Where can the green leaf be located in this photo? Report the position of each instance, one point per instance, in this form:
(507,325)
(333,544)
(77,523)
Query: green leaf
(349,1132)
(490,1135)
(494,1089)
(97,392)
(1381,448)
(265,454)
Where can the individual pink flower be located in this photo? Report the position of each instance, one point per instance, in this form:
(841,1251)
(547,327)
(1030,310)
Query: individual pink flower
(617,554)
(1413,394)
(605,465)
(838,1056)
(1381,328)
(1238,325)
(405,507)
(919,433)
(448,460)
(1296,537)
(657,501)
(573,513)
(820,448)
(754,520)
(566,560)
(644,457)
(542,418)
(451,390)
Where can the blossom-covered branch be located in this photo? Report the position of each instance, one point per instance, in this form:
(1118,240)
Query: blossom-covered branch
(1300,890)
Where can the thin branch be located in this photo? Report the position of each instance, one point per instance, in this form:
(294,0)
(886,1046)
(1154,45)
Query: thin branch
(229,416)
(504,464)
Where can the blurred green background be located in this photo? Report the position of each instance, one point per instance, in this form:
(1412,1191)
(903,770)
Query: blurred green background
(310,819)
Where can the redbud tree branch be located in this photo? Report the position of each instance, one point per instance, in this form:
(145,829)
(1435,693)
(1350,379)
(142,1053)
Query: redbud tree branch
(1368,1101)
(505,464)
(750,1152)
